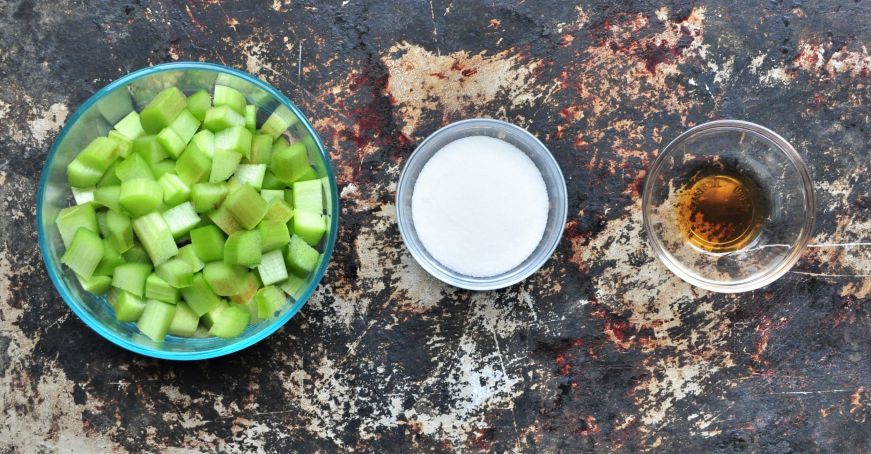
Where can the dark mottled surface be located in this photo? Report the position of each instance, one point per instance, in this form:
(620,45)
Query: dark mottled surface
(602,350)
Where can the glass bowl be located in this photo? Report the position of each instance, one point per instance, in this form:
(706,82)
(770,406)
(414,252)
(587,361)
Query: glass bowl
(95,118)
(540,156)
(775,210)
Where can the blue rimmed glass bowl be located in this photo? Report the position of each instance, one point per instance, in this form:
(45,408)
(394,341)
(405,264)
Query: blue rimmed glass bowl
(95,118)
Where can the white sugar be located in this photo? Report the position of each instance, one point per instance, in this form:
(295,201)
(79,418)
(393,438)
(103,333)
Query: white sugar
(480,206)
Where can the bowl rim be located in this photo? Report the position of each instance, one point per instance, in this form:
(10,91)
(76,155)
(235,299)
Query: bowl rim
(110,334)
(559,202)
(796,249)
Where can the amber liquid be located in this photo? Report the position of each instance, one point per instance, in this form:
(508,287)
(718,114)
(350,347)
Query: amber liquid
(721,211)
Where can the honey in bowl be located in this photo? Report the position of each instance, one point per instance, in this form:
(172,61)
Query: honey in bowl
(721,211)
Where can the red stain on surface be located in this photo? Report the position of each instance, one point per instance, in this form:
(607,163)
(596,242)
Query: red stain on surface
(588,427)
(439,75)
(468,72)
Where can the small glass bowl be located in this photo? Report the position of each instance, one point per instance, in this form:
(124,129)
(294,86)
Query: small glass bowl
(785,191)
(526,142)
(95,118)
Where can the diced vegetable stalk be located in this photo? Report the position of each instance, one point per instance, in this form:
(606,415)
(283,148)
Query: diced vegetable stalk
(225,220)
(270,194)
(208,243)
(204,142)
(207,196)
(243,248)
(289,162)
(278,122)
(308,196)
(119,231)
(111,260)
(251,117)
(96,284)
(83,195)
(181,219)
(193,166)
(224,279)
(149,149)
(130,127)
(137,254)
(272,269)
(269,301)
(175,191)
(231,322)
(309,226)
(279,210)
(184,322)
(250,285)
(162,110)
(176,272)
(124,144)
(156,237)
(292,285)
(162,168)
(273,234)
(199,103)
(71,219)
(270,181)
(185,126)
(236,139)
(209,318)
(131,277)
(88,167)
(224,164)
(251,174)
(230,97)
(200,296)
(301,258)
(158,289)
(128,307)
(84,253)
(133,167)
(109,197)
(222,117)
(188,254)
(140,196)
(246,205)
(110,178)
(155,319)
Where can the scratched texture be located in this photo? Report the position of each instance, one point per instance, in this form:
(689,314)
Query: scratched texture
(603,350)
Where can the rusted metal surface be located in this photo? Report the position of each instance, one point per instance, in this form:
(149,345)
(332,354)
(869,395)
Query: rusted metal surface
(602,350)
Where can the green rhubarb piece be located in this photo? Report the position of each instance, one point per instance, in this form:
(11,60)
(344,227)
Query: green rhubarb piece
(132,168)
(108,196)
(270,181)
(222,117)
(224,164)
(158,289)
(250,285)
(224,220)
(88,167)
(204,142)
(185,125)
(208,243)
(272,269)
(131,277)
(292,285)
(273,234)
(171,142)
(207,196)
(251,174)
(110,178)
(150,149)
(251,117)
(101,223)
(278,122)
(156,237)
(181,219)
(269,300)
(84,253)
(209,318)
(193,166)
(122,142)
(140,196)
(231,322)
(114,105)
(309,226)
(71,219)
(230,97)
(308,196)
(162,168)
(128,307)
(162,110)
(188,254)
(155,319)
(289,162)
(269,194)
(82,195)
(111,260)
(199,103)
(251,307)
(119,231)
(224,279)
(175,191)
(243,248)
(309,174)
(200,296)
(246,205)
(279,210)
(236,139)
(261,149)
(184,322)
(129,126)
(301,258)
(97,285)
(136,254)
(176,272)
(80,174)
